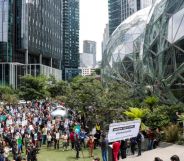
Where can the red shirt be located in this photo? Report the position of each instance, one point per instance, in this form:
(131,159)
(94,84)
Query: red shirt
(116,146)
(72,137)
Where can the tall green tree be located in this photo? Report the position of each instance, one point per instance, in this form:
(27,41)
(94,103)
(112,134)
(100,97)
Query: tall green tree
(33,87)
(84,95)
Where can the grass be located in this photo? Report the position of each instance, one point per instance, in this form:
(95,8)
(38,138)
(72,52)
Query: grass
(58,155)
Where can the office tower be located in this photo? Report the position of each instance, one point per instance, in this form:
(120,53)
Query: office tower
(70,61)
(31,37)
(119,10)
(89,47)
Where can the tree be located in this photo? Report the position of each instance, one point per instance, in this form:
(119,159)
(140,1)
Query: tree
(58,88)
(33,87)
(83,96)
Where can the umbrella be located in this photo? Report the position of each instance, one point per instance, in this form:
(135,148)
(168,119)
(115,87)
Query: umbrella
(59,112)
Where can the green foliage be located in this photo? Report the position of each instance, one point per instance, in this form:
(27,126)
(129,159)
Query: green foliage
(172,133)
(5,90)
(157,118)
(151,101)
(98,71)
(135,113)
(33,87)
(10,99)
(57,88)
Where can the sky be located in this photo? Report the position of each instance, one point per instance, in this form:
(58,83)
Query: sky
(93,18)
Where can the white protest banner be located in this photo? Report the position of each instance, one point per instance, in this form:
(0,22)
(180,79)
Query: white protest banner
(123,130)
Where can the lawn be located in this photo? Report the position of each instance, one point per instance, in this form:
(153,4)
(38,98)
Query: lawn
(58,155)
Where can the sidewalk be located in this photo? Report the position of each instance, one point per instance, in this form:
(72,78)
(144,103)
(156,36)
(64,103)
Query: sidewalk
(163,153)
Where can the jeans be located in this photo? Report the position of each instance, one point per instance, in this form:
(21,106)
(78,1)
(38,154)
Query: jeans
(150,144)
(104,155)
(44,138)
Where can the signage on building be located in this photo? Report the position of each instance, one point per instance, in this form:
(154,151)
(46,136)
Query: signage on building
(123,130)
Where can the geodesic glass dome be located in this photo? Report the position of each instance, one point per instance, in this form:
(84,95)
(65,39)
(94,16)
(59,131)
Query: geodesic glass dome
(163,50)
(121,59)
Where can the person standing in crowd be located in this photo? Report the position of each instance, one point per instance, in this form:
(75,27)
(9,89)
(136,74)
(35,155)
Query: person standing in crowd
(98,127)
(116,146)
(150,136)
(44,135)
(77,145)
(82,136)
(49,139)
(123,149)
(175,158)
(65,141)
(72,140)
(104,147)
(56,139)
(139,141)
(133,143)
(90,144)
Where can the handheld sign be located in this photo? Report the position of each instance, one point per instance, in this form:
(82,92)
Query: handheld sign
(123,130)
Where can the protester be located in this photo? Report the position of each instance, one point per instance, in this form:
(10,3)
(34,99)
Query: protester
(104,147)
(90,144)
(77,145)
(139,140)
(133,143)
(116,147)
(123,149)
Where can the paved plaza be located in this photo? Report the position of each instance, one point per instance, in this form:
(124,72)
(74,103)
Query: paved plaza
(163,153)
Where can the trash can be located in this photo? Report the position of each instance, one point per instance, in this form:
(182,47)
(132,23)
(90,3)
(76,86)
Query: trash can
(110,153)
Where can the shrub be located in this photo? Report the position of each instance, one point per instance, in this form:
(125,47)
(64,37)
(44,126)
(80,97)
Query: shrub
(172,133)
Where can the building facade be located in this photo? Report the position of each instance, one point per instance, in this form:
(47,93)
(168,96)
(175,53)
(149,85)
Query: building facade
(87,60)
(31,32)
(70,61)
(119,10)
(89,47)
(87,71)
(146,52)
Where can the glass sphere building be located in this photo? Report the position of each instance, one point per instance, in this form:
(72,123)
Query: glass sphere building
(147,51)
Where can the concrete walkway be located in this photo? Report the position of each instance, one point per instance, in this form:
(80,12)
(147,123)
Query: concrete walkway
(163,153)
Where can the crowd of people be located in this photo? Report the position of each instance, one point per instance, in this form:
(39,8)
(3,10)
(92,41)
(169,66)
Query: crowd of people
(25,128)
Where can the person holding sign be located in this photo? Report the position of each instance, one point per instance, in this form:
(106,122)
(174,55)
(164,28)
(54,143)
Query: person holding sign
(116,147)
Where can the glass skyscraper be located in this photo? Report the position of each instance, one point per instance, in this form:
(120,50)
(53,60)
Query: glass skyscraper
(70,61)
(31,32)
(119,10)
(89,47)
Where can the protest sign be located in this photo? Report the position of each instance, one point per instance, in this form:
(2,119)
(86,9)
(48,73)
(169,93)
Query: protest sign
(123,130)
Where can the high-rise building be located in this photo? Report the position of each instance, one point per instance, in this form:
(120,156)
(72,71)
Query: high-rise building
(89,47)
(105,38)
(87,60)
(119,10)
(31,38)
(70,61)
